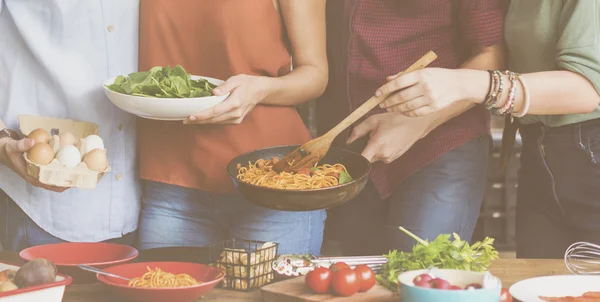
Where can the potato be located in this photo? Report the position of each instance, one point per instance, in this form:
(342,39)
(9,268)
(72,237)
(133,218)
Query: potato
(35,272)
(240,284)
(7,286)
(7,275)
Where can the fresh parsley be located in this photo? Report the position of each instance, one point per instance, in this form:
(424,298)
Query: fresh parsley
(162,82)
(442,253)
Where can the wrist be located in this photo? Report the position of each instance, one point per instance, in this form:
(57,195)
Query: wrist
(474,85)
(3,155)
(269,86)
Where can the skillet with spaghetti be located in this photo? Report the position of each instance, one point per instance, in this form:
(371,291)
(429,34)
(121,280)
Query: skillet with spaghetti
(338,177)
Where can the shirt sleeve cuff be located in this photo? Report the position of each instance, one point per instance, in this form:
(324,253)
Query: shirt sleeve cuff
(584,61)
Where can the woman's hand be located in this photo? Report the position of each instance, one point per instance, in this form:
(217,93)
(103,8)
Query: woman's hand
(246,92)
(421,92)
(11,155)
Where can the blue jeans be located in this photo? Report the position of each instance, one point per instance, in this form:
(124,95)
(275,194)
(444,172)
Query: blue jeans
(443,197)
(558,200)
(18,231)
(177,216)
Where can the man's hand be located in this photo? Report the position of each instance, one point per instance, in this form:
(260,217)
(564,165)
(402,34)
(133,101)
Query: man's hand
(11,155)
(392,134)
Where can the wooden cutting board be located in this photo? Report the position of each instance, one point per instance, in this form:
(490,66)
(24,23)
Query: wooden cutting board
(294,290)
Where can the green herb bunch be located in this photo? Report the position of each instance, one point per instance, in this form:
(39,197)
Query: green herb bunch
(162,82)
(442,253)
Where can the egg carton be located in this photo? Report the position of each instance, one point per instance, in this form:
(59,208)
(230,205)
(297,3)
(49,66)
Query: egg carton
(51,292)
(54,173)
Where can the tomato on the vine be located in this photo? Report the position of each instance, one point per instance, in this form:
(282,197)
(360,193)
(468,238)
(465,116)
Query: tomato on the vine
(319,280)
(338,266)
(366,276)
(505,296)
(345,282)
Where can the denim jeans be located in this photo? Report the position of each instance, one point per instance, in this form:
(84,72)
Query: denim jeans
(559,189)
(177,216)
(18,231)
(443,197)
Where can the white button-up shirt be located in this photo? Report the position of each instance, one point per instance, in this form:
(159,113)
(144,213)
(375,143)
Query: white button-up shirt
(54,56)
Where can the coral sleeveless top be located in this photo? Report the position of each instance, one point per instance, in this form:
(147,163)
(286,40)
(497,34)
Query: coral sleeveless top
(216,39)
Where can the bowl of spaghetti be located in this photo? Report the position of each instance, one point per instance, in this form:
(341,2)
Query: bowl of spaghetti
(162,281)
(340,176)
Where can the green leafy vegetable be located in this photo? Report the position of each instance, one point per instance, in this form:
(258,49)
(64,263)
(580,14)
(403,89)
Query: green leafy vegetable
(162,82)
(345,177)
(442,253)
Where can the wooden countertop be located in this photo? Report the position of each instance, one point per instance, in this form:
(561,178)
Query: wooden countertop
(509,271)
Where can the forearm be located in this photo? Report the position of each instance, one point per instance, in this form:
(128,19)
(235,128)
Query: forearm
(550,92)
(305,24)
(301,85)
(490,58)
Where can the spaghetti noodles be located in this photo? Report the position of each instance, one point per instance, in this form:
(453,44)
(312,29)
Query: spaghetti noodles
(261,173)
(157,278)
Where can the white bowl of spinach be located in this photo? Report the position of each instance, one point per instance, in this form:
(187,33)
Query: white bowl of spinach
(163,93)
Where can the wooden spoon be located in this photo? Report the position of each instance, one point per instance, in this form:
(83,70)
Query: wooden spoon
(309,154)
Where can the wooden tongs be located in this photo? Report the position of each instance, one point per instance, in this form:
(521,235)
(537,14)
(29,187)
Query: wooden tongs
(309,154)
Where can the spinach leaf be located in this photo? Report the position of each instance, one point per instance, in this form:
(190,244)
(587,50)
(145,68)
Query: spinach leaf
(162,82)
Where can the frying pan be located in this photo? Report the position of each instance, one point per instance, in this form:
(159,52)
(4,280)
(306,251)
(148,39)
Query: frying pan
(302,200)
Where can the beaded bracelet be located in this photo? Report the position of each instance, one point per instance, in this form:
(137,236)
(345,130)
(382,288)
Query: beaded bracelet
(525,99)
(497,89)
(500,88)
(488,98)
(510,102)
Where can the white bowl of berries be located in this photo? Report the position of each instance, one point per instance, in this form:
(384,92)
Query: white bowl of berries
(448,285)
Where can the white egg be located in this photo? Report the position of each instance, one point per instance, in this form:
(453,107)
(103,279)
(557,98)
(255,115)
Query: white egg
(93,142)
(69,156)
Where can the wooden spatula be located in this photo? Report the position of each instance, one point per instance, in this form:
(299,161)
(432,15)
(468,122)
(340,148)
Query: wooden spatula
(309,154)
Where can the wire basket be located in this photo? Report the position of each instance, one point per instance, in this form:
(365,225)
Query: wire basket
(247,264)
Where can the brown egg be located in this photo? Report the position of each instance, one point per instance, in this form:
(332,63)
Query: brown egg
(39,136)
(96,160)
(41,154)
(66,139)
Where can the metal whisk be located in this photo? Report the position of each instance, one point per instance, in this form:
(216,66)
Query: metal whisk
(583,258)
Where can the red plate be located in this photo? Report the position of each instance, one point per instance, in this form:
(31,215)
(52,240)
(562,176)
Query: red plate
(211,276)
(66,280)
(66,257)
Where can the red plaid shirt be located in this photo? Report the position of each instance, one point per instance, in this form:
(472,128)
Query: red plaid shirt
(371,39)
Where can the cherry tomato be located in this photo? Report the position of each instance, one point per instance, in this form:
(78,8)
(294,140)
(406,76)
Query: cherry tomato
(423,277)
(345,282)
(505,296)
(366,276)
(455,287)
(423,284)
(319,280)
(440,283)
(338,266)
